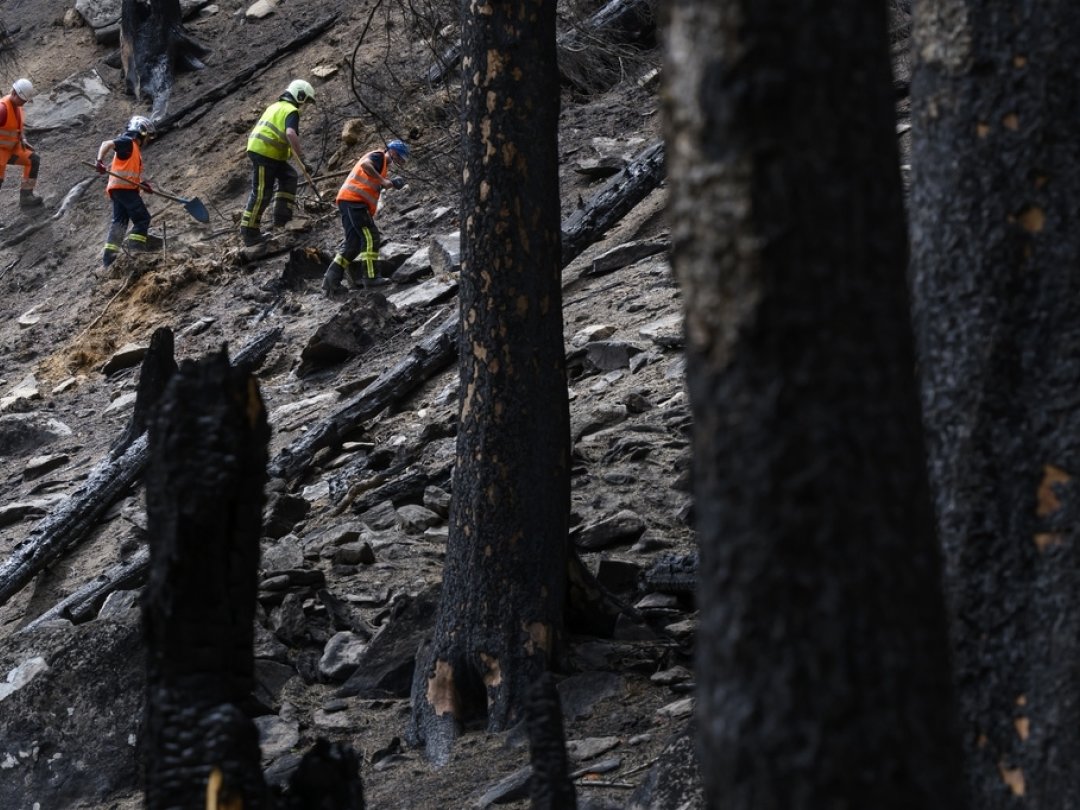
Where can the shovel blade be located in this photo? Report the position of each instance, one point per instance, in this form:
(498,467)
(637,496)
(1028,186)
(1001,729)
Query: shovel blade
(195,207)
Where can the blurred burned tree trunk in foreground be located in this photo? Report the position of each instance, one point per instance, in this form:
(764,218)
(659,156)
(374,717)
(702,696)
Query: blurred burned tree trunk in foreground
(550,787)
(204,494)
(153,46)
(995,256)
(504,584)
(822,653)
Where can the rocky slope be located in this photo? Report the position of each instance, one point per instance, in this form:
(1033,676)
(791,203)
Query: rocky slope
(350,563)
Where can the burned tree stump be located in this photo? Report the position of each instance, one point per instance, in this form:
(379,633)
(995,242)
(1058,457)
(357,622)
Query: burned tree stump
(153,44)
(205,481)
(328,778)
(158,367)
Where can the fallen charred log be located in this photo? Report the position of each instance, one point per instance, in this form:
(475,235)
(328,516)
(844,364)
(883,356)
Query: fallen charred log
(84,604)
(432,354)
(612,202)
(68,526)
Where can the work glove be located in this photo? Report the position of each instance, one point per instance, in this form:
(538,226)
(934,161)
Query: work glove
(100,167)
(398,183)
(149,189)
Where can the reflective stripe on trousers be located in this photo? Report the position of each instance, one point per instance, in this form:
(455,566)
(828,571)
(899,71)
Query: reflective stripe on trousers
(361,237)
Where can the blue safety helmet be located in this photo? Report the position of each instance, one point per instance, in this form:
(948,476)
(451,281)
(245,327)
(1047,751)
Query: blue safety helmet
(399,148)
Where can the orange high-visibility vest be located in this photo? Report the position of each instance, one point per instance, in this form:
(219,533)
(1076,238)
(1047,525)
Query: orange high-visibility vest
(130,170)
(362,186)
(11,131)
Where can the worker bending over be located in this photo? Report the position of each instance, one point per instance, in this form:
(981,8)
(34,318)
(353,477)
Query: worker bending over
(270,145)
(358,200)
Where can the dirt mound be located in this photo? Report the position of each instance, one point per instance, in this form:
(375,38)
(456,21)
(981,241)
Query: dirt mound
(150,292)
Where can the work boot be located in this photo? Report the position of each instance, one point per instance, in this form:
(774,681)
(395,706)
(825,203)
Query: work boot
(331,283)
(27,199)
(377,281)
(252,237)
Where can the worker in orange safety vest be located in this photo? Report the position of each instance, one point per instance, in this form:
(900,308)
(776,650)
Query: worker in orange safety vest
(14,149)
(124,187)
(358,200)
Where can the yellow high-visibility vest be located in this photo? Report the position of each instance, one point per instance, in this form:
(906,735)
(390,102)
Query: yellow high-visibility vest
(268,136)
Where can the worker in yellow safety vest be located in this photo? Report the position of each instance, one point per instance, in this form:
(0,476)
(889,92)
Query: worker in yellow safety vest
(270,145)
(358,200)
(14,149)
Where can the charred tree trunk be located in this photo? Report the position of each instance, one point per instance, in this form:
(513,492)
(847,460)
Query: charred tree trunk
(550,787)
(154,44)
(158,367)
(822,657)
(504,584)
(995,245)
(204,508)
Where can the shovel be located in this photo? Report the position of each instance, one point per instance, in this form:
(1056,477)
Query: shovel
(194,206)
(310,181)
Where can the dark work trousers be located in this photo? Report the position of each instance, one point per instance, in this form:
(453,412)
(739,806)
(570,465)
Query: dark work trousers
(270,180)
(361,240)
(127,206)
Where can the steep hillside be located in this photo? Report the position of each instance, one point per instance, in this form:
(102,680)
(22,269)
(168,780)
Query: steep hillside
(369,560)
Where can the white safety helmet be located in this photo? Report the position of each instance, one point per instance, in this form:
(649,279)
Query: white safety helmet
(301,91)
(143,125)
(23,89)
